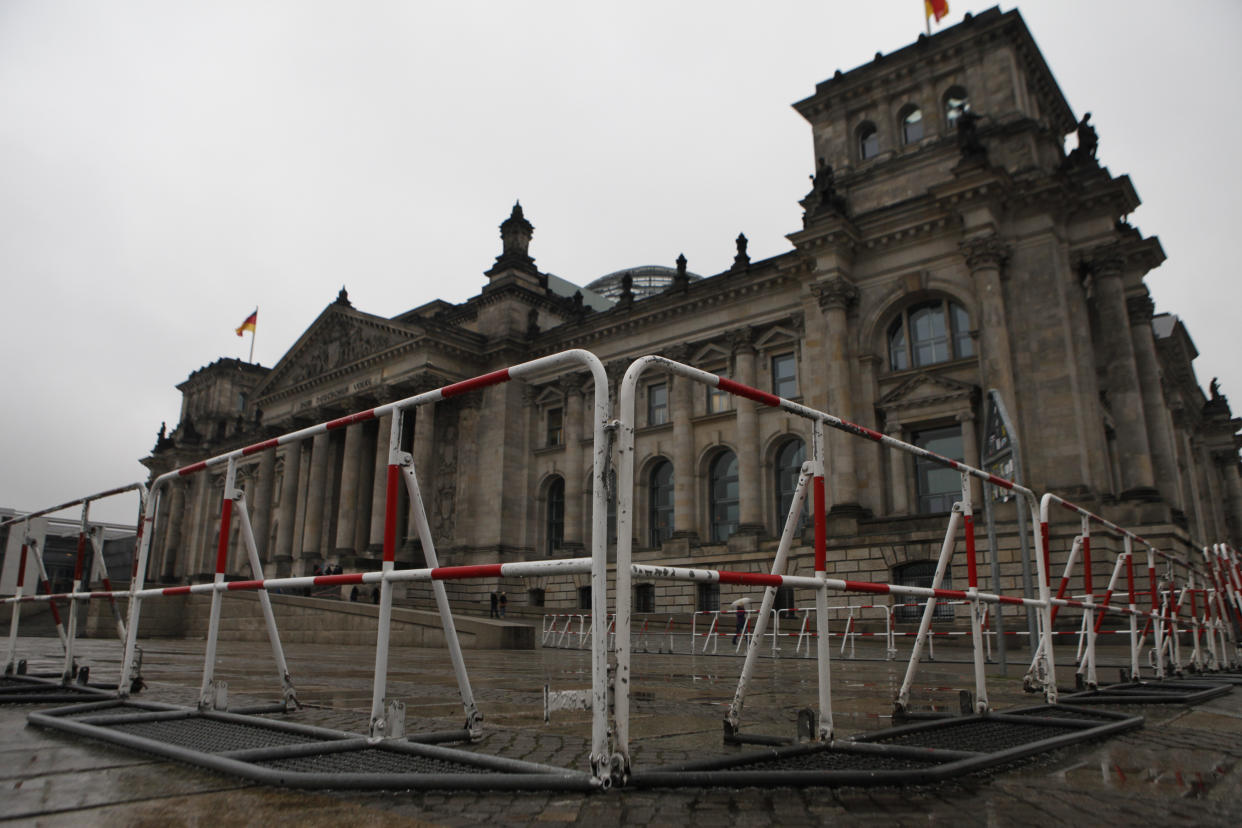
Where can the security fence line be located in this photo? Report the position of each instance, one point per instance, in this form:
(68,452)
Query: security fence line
(1221,614)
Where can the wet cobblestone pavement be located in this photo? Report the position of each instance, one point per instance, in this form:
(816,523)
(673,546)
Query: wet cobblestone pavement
(1182,768)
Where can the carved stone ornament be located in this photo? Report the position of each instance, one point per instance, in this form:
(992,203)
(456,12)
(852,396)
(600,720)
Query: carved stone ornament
(836,292)
(678,353)
(984,253)
(741,339)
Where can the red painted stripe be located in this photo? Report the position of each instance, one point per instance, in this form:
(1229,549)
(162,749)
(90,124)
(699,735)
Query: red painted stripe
(390,513)
(972,567)
(443,573)
(1108,595)
(821,524)
(343,578)
(360,417)
(1006,599)
(753,578)
(867,586)
(21,572)
(1000,481)
(1044,536)
(1155,597)
(1070,506)
(197,467)
(1130,577)
(466,386)
(245,585)
(1086,565)
(258,447)
(726,384)
(81,560)
(950,593)
(1073,603)
(222,549)
(52,605)
(180,590)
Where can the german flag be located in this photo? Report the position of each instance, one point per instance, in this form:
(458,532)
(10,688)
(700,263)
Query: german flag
(936,8)
(248,325)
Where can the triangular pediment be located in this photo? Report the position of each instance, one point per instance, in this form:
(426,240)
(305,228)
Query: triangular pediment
(339,338)
(922,390)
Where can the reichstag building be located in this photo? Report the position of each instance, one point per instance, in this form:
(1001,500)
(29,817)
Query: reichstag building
(949,245)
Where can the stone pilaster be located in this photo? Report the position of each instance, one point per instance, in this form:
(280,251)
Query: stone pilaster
(898,484)
(575,484)
(424,453)
(1122,378)
(750,503)
(836,295)
(684,477)
(174,543)
(984,258)
(1155,411)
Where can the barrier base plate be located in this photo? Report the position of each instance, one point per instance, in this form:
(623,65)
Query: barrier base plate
(36,690)
(924,752)
(294,755)
(1168,691)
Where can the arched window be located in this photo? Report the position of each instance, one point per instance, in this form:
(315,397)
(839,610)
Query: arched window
(868,141)
(928,333)
(955,103)
(660,510)
(555,517)
(723,496)
(911,124)
(788,466)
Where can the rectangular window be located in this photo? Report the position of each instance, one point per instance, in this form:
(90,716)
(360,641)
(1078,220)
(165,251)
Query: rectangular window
(644,598)
(556,427)
(785,376)
(938,486)
(657,404)
(717,400)
(708,598)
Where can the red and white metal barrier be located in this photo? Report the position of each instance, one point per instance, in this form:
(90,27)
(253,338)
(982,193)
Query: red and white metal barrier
(84,574)
(387,717)
(812,476)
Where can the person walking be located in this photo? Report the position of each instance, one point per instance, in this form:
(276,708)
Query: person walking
(504,602)
(495,601)
(741,606)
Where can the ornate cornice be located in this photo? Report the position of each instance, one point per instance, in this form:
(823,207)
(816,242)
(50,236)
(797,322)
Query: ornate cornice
(741,339)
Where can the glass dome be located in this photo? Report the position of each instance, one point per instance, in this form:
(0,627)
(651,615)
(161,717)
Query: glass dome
(647,280)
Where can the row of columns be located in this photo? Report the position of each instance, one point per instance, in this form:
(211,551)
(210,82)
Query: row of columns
(331,504)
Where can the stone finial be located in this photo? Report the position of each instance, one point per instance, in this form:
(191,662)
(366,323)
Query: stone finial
(986,252)
(681,280)
(835,292)
(742,259)
(515,236)
(342,298)
(627,290)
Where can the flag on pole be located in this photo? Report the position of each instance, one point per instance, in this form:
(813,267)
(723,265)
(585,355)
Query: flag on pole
(248,325)
(936,8)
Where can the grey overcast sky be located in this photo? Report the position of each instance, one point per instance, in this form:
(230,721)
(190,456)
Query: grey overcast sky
(166,166)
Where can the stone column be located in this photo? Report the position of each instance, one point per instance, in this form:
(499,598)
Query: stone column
(1122,379)
(897,473)
(1233,486)
(286,521)
(195,540)
(261,514)
(750,499)
(684,477)
(575,484)
(424,451)
(379,487)
(312,532)
(836,295)
(174,546)
(970,455)
(985,257)
(347,509)
(1155,411)
(366,485)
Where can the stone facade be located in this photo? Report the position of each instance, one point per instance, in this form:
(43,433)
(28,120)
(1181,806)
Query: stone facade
(949,246)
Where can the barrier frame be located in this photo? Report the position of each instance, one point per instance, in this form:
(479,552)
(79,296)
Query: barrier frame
(387,717)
